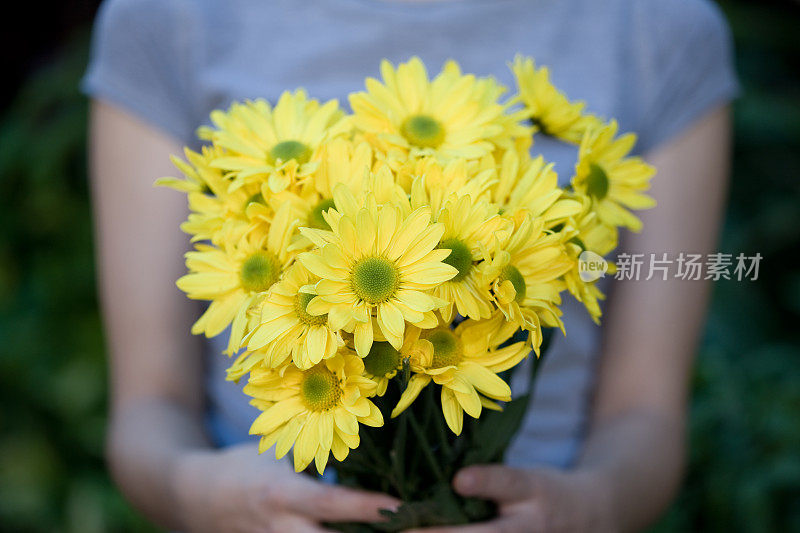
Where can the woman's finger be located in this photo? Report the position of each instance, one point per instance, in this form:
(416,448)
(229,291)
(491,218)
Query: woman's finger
(494,482)
(332,503)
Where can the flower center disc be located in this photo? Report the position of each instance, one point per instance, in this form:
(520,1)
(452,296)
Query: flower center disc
(537,121)
(513,275)
(260,271)
(382,359)
(257,198)
(579,242)
(375,279)
(423,131)
(301,309)
(597,182)
(460,257)
(447,348)
(315,218)
(286,150)
(320,388)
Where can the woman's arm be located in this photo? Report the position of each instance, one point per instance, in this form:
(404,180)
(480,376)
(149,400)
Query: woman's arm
(633,458)
(157,450)
(637,439)
(155,370)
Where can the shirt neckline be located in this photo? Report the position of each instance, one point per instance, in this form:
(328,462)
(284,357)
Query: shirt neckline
(422,6)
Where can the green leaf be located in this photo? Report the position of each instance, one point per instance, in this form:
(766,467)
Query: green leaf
(493,432)
(440,509)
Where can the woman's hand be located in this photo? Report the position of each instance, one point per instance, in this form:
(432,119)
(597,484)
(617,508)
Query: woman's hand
(540,500)
(235,490)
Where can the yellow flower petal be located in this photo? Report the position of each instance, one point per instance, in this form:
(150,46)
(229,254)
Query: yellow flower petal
(415,386)
(453,414)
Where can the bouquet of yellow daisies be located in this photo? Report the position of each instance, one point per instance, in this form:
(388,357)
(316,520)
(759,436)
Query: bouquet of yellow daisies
(381,272)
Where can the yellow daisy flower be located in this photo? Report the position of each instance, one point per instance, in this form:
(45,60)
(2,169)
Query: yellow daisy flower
(198,175)
(234,276)
(285,329)
(216,214)
(340,162)
(316,410)
(532,185)
(273,145)
(433,183)
(613,181)
(525,276)
(470,229)
(546,106)
(377,262)
(585,292)
(453,115)
(381,364)
(590,232)
(348,197)
(464,363)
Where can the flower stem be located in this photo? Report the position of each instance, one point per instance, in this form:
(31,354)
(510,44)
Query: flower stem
(440,429)
(426,448)
(384,463)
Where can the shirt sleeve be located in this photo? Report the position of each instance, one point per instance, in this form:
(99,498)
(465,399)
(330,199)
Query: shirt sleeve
(689,68)
(142,61)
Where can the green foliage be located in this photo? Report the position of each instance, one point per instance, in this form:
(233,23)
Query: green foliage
(744,465)
(493,432)
(415,456)
(52,367)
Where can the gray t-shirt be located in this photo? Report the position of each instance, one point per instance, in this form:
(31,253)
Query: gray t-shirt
(654,65)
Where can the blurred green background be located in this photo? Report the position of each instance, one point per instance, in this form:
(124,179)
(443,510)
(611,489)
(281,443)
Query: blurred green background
(744,472)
